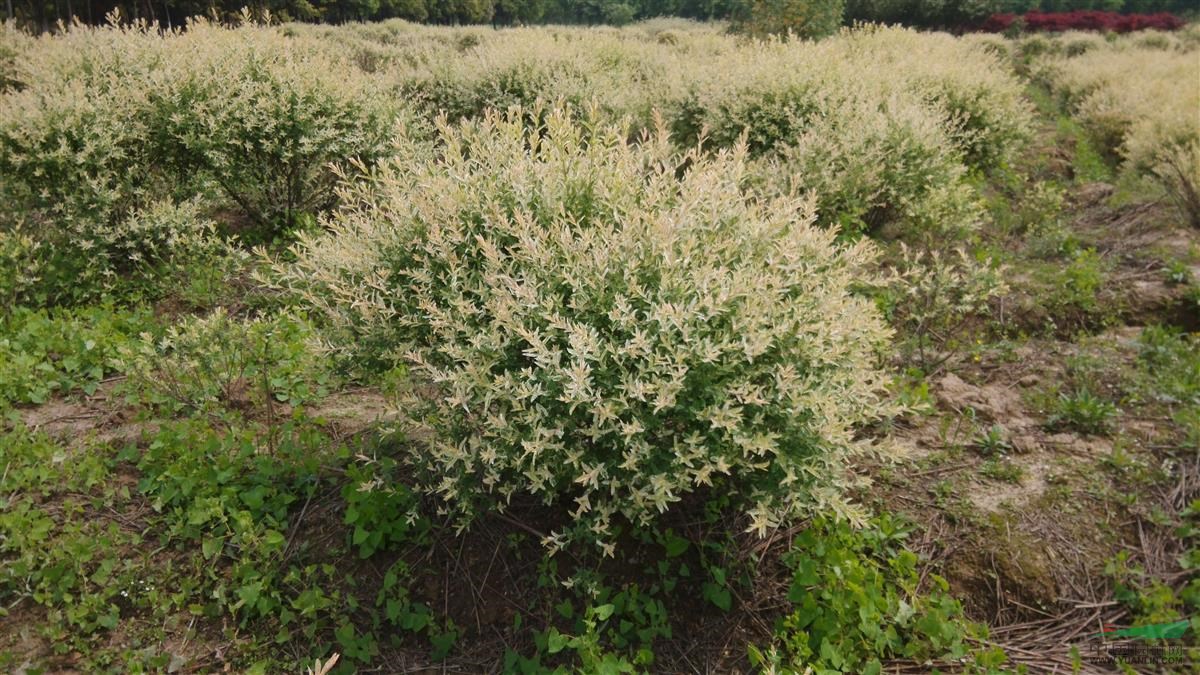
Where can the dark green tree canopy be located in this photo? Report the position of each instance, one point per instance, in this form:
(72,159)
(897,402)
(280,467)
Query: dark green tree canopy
(804,17)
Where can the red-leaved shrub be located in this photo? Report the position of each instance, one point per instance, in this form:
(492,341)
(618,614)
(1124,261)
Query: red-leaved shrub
(1057,22)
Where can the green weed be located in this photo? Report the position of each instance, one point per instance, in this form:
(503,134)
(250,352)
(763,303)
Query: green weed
(1088,164)
(1083,411)
(993,442)
(1080,282)
(381,510)
(855,604)
(54,352)
(1001,470)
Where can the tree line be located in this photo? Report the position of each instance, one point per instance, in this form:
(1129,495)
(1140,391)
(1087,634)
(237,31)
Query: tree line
(44,15)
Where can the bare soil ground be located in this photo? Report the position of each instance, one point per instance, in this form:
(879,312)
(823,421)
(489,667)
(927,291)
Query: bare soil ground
(1026,549)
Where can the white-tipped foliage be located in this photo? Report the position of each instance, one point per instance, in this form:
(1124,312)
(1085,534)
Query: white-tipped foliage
(106,125)
(602,323)
(1142,104)
(870,166)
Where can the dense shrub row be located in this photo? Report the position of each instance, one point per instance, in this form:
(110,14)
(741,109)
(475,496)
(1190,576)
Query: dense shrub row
(1058,22)
(882,124)
(122,149)
(591,303)
(1140,103)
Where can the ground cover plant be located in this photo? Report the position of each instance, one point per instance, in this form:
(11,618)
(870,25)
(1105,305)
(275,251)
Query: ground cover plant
(386,348)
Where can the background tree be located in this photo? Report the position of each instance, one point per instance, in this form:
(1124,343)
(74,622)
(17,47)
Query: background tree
(802,18)
(808,18)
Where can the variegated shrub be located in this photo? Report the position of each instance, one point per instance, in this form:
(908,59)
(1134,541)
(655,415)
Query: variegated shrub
(886,170)
(1141,104)
(105,129)
(602,323)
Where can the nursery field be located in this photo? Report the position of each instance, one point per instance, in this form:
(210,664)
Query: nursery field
(396,348)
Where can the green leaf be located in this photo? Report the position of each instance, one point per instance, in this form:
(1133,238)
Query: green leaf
(718,575)
(249,593)
(806,573)
(346,636)
(416,619)
(253,498)
(198,515)
(556,641)
(443,643)
(830,654)
(603,612)
(273,539)
(211,547)
(676,546)
(719,596)
(108,620)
